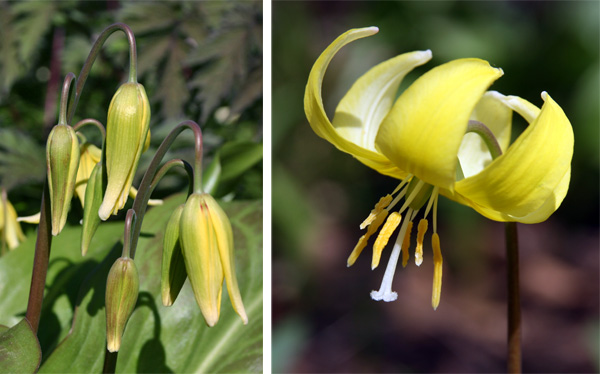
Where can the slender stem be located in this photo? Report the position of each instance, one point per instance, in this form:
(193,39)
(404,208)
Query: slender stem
(129,222)
(110,361)
(64,98)
(487,136)
(144,190)
(91,121)
(514,299)
(40,263)
(94,52)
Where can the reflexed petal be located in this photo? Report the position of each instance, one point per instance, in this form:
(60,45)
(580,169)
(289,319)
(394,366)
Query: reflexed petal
(365,105)
(224,238)
(473,154)
(315,112)
(424,130)
(528,182)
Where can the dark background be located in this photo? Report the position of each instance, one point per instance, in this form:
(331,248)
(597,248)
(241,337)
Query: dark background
(323,317)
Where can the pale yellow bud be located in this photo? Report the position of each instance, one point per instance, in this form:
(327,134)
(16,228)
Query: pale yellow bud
(126,134)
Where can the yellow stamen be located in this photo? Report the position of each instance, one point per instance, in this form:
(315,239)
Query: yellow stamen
(437,271)
(382,204)
(384,236)
(362,242)
(422,228)
(406,244)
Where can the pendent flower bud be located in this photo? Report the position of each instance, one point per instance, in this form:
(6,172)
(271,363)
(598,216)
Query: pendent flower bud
(126,133)
(93,198)
(89,156)
(62,160)
(173,266)
(122,287)
(10,229)
(207,244)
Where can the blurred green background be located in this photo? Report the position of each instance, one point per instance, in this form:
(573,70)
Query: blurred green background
(323,318)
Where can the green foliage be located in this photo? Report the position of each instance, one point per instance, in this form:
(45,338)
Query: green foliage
(19,349)
(157,338)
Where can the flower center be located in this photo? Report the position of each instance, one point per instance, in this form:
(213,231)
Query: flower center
(416,193)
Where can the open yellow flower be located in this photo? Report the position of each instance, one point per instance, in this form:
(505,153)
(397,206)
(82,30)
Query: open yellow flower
(444,135)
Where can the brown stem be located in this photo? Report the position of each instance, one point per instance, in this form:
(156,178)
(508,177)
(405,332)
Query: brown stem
(40,263)
(514,299)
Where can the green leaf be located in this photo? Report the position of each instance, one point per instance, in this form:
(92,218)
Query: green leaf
(22,160)
(211,174)
(237,157)
(174,339)
(19,349)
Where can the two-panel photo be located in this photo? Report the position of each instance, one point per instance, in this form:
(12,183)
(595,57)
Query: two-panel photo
(299,186)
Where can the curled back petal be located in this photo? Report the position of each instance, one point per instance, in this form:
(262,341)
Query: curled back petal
(424,129)
(528,182)
(315,112)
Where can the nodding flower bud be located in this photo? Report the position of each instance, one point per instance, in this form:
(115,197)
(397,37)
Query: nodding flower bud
(93,198)
(173,267)
(122,287)
(62,161)
(207,245)
(89,156)
(10,229)
(126,134)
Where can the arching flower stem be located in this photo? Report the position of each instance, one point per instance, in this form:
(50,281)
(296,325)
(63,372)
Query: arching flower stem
(153,174)
(64,99)
(94,52)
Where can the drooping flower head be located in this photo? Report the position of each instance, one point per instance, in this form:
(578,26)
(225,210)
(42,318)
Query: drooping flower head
(126,134)
(207,245)
(443,135)
(62,162)
(10,229)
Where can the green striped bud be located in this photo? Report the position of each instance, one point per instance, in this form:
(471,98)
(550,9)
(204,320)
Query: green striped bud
(62,161)
(173,267)
(207,246)
(122,287)
(93,198)
(126,133)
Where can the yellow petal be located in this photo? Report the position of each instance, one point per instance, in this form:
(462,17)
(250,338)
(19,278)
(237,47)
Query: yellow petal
(473,154)
(423,131)
(315,112)
(201,256)
(224,239)
(365,105)
(528,182)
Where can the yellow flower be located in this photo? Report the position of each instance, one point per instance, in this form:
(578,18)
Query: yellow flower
(10,229)
(424,139)
(207,246)
(90,155)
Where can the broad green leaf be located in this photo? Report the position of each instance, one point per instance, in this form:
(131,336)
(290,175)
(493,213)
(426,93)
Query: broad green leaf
(19,349)
(237,157)
(66,271)
(211,174)
(173,339)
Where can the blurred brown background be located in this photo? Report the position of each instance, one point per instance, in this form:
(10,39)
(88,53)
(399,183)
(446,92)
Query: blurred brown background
(323,317)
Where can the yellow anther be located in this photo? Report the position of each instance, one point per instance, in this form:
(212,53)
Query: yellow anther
(406,244)
(437,271)
(362,243)
(422,228)
(381,205)
(384,236)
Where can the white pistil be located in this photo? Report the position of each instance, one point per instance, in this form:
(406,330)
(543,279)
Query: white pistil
(385,292)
